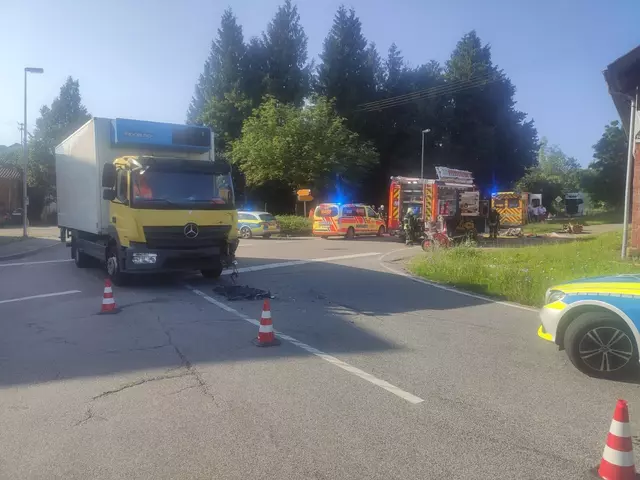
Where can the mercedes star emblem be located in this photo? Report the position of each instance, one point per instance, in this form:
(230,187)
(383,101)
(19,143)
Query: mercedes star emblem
(191,230)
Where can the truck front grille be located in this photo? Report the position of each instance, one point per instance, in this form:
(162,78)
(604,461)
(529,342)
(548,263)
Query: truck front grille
(174,237)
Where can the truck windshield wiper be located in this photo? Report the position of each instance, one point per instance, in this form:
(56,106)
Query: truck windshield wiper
(163,200)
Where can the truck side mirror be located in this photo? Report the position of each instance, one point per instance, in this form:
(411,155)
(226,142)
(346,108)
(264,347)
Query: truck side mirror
(109,175)
(109,194)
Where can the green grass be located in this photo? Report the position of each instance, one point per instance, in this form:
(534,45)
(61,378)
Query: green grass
(294,225)
(523,275)
(555,224)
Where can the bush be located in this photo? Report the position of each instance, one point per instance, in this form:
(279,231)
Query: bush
(294,225)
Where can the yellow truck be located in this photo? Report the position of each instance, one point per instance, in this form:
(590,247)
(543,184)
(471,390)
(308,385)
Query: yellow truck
(145,197)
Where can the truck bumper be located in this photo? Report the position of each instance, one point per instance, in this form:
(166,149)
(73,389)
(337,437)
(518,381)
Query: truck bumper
(170,260)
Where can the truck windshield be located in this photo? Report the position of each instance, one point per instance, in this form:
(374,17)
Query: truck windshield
(167,189)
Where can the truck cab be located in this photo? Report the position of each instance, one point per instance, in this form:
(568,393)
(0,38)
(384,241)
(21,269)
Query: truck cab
(164,204)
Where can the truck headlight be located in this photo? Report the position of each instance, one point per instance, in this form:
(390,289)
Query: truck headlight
(553,296)
(144,258)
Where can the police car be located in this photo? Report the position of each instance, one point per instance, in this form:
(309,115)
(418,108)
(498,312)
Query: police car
(257,224)
(597,321)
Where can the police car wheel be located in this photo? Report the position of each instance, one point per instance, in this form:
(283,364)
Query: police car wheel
(600,344)
(245,232)
(380,231)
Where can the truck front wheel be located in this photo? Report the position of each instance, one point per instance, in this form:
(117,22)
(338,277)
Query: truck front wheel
(212,273)
(113,266)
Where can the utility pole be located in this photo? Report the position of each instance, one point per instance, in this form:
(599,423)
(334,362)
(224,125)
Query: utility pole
(629,179)
(426,130)
(25,153)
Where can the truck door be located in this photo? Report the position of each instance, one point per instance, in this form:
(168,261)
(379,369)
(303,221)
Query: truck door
(120,213)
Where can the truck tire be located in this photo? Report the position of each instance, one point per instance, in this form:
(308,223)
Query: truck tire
(81,259)
(114,272)
(212,273)
(600,344)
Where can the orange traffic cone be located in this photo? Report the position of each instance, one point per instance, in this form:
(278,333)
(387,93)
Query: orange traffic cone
(617,459)
(266,337)
(108,302)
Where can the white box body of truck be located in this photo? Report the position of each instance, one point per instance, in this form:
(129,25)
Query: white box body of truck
(79,162)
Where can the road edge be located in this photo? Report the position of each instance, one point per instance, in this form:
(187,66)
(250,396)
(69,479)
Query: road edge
(33,251)
(447,287)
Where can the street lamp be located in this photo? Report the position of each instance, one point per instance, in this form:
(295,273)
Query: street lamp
(426,130)
(25,198)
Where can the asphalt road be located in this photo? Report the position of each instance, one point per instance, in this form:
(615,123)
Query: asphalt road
(377,376)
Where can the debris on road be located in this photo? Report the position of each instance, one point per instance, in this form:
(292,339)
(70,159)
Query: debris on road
(266,337)
(572,228)
(242,292)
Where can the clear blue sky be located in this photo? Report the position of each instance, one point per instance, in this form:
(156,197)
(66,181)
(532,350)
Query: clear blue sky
(140,59)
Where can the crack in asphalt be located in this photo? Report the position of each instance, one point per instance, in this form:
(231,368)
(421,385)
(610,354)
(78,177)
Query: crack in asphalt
(140,382)
(89,414)
(191,370)
(140,349)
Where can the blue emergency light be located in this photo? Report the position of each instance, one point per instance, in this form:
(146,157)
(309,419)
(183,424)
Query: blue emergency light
(136,133)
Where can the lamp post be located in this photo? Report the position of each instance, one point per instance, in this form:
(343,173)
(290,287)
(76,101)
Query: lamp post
(25,198)
(426,130)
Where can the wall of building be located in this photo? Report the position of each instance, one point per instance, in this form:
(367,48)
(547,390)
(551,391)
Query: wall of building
(9,194)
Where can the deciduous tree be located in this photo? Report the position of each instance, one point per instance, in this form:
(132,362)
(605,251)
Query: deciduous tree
(301,147)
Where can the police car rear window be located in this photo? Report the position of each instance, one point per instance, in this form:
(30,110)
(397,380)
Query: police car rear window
(326,211)
(267,217)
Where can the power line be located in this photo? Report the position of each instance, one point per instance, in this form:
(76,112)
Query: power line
(432,93)
(426,94)
(411,94)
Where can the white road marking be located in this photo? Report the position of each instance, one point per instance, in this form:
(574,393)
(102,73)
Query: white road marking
(292,263)
(245,245)
(409,397)
(450,289)
(44,295)
(35,263)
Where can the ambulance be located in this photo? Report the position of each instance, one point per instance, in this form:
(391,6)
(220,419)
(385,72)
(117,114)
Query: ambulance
(348,220)
(514,207)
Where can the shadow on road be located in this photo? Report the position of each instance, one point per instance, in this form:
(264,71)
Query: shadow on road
(162,325)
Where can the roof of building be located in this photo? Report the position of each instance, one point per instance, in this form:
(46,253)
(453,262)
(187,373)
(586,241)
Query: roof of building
(10,172)
(623,77)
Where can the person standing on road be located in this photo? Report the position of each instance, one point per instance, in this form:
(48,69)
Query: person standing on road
(382,213)
(494,223)
(410,227)
(543,213)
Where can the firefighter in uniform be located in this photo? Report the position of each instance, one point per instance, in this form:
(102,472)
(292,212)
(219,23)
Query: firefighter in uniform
(410,227)
(494,223)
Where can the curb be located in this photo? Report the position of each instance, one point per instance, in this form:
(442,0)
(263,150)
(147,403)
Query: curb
(452,289)
(15,256)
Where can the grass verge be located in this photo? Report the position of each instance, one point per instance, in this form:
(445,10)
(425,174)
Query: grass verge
(294,225)
(523,275)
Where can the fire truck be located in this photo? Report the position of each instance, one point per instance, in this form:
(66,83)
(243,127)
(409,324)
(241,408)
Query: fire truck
(451,201)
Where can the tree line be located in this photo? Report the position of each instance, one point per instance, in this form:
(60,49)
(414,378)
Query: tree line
(263,97)
(343,126)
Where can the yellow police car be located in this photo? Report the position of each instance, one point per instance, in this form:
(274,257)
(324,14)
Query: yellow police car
(597,321)
(257,224)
